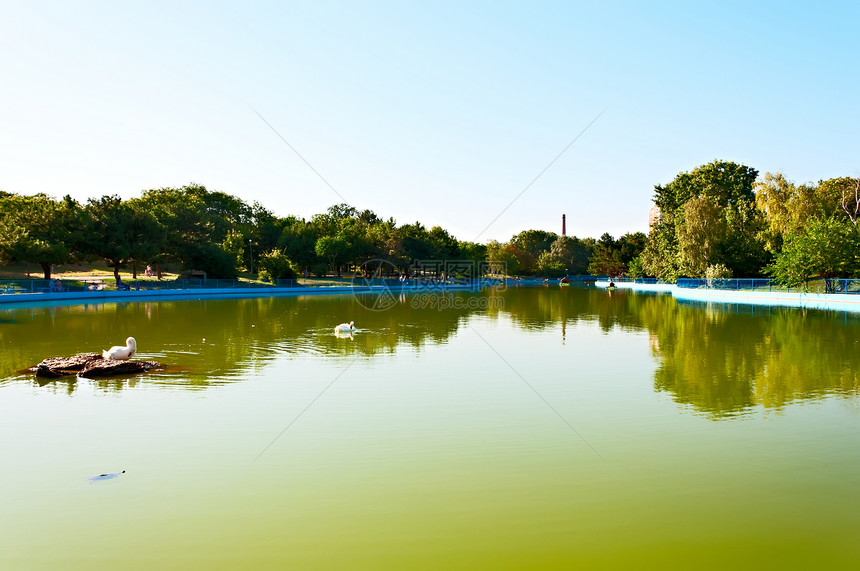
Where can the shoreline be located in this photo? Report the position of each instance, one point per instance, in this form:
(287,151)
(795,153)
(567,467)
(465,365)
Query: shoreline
(799,300)
(83,297)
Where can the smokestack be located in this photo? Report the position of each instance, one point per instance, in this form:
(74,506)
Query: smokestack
(563,226)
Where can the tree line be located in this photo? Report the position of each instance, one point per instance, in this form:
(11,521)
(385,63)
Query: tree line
(213,232)
(220,234)
(716,221)
(720,221)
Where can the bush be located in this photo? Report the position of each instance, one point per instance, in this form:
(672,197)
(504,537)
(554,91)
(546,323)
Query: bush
(211,259)
(717,272)
(320,270)
(276,266)
(550,266)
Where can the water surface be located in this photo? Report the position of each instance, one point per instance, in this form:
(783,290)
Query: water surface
(538,428)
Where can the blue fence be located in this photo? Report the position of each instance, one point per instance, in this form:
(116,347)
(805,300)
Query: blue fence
(811,286)
(81,285)
(49,286)
(639,280)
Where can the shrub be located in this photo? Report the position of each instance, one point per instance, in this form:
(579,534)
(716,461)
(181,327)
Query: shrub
(276,266)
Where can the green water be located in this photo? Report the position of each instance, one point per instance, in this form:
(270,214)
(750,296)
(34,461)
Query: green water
(529,428)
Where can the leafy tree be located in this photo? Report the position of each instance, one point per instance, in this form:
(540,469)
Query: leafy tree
(700,235)
(606,258)
(636,269)
(443,245)
(611,257)
(787,207)
(198,222)
(121,232)
(550,266)
(531,244)
(334,249)
(504,255)
(416,243)
(39,229)
(298,241)
(277,265)
(573,253)
(826,248)
(472,251)
(717,186)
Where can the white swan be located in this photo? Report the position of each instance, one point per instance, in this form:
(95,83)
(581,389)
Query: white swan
(119,353)
(345,327)
(106,476)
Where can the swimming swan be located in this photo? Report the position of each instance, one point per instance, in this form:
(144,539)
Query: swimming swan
(118,353)
(344,327)
(106,476)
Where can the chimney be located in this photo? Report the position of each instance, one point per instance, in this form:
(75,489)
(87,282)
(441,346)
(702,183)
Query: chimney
(563,226)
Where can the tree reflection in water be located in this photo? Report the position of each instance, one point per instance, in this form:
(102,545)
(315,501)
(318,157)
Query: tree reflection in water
(721,360)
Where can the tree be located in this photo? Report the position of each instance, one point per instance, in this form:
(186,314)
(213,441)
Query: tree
(443,245)
(728,188)
(277,265)
(850,199)
(550,266)
(826,248)
(531,244)
(333,249)
(701,234)
(504,257)
(120,232)
(611,257)
(198,222)
(573,253)
(298,241)
(39,229)
(606,258)
(787,207)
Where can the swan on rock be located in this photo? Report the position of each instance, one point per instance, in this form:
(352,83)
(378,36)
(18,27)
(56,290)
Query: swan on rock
(345,327)
(118,353)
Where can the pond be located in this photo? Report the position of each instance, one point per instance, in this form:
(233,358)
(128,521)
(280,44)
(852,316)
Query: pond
(524,428)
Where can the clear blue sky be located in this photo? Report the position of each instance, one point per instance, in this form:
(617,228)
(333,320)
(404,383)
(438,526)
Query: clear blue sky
(435,111)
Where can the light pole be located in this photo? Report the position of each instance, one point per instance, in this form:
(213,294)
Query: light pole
(250,256)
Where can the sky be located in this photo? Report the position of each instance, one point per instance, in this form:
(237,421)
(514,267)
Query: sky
(485,118)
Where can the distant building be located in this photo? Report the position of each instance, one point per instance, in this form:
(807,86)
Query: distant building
(653,217)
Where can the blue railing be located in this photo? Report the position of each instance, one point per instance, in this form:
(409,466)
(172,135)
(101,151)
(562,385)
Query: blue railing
(56,285)
(639,280)
(109,284)
(762,284)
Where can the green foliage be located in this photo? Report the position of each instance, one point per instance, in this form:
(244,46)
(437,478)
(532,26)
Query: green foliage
(636,268)
(661,257)
(236,245)
(334,249)
(550,266)
(120,232)
(611,257)
(573,253)
(707,216)
(277,265)
(825,248)
(194,218)
(725,183)
(504,255)
(701,235)
(212,259)
(717,272)
(530,244)
(39,229)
